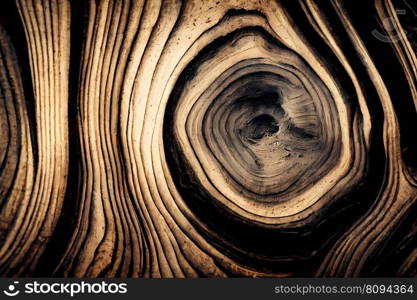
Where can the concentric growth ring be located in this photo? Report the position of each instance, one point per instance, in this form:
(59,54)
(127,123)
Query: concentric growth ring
(258,128)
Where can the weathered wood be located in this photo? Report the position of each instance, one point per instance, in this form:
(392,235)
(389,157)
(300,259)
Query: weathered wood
(209,138)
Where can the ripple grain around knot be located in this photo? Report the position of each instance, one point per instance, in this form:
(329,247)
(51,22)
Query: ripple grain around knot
(208,138)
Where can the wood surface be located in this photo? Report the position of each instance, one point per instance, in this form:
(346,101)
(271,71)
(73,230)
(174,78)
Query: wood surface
(208,138)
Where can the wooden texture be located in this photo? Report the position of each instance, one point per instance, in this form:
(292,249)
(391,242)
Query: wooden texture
(208,138)
(33,199)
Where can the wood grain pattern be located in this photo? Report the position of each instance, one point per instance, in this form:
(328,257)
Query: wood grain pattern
(35,197)
(208,138)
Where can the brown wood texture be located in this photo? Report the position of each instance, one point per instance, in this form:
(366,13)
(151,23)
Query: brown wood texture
(208,138)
